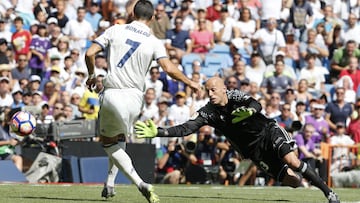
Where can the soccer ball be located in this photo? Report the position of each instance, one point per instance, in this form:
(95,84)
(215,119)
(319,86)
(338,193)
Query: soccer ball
(23,123)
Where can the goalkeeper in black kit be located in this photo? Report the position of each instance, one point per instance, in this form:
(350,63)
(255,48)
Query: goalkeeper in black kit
(238,117)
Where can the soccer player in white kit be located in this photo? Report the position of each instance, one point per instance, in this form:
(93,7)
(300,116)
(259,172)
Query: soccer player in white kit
(131,49)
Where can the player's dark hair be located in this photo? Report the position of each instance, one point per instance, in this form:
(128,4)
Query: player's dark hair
(143,10)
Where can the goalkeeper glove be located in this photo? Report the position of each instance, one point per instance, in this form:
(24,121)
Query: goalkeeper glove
(146,129)
(241,113)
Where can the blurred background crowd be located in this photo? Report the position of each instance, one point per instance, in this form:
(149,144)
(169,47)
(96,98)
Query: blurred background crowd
(298,58)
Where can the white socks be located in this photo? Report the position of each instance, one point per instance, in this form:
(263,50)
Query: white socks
(121,159)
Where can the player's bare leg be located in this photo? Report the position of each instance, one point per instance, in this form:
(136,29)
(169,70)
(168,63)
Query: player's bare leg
(123,162)
(308,173)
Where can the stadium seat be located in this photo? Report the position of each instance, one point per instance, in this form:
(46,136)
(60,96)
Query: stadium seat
(213,63)
(187,60)
(94,170)
(220,49)
(9,172)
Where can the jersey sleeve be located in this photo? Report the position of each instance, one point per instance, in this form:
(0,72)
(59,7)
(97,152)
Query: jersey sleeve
(104,39)
(159,50)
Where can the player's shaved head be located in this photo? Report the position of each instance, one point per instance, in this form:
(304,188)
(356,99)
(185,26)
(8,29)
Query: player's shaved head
(216,89)
(215,81)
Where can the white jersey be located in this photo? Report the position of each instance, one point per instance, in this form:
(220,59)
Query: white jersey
(131,49)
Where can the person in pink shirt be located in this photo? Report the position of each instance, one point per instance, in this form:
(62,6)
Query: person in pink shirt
(202,39)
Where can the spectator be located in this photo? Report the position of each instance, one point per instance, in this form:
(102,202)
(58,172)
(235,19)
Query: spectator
(34,84)
(202,39)
(353,72)
(150,109)
(178,40)
(213,12)
(239,72)
(3,48)
(338,110)
(45,117)
(171,162)
(285,119)
(89,104)
(39,46)
(301,14)
(79,31)
(270,40)
(273,107)
(292,49)
(314,47)
(5,94)
(276,83)
(229,162)
(352,29)
(179,112)
(302,93)
(290,99)
(315,75)
(8,143)
(187,16)
(75,100)
(309,153)
(55,34)
(60,51)
(17,97)
(206,151)
(329,19)
(232,83)
(4,33)
(93,16)
(245,24)
(256,69)
(341,59)
(288,70)
(22,69)
(340,141)
(57,109)
(354,126)
(300,112)
(42,7)
(170,7)
(201,14)
(346,82)
(21,39)
(254,90)
(333,40)
(59,14)
(161,23)
(155,82)
(224,27)
(51,93)
(317,119)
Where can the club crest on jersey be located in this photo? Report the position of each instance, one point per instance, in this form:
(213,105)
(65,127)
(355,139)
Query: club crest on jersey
(194,116)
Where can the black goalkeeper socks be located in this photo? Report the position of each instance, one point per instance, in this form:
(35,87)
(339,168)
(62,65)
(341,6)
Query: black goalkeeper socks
(309,174)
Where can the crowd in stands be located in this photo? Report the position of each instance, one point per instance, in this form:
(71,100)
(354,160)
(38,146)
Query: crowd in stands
(298,58)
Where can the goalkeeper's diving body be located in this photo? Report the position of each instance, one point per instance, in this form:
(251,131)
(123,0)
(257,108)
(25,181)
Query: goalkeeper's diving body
(238,117)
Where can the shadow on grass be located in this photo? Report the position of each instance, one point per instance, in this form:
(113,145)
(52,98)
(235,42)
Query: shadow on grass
(59,198)
(226,198)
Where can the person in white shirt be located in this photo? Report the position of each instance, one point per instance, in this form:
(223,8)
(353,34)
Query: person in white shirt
(270,40)
(315,75)
(154,82)
(341,152)
(131,49)
(79,31)
(224,28)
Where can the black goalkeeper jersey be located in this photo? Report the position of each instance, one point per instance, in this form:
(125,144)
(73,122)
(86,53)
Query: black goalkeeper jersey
(245,135)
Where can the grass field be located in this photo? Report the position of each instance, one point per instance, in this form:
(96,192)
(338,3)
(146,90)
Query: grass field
(54,193)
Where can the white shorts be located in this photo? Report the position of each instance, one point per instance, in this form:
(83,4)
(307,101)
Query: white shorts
(119,109)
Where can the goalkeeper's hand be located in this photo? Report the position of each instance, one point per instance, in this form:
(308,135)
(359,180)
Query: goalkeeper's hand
(146,129)
(241,113)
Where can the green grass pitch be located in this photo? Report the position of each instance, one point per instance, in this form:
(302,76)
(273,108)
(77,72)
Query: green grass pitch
(64,193)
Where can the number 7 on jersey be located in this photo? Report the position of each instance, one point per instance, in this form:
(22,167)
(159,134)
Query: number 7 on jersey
(134,45)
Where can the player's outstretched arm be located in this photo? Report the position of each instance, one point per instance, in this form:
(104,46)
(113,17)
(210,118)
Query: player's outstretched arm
(146,130)
(175,73)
